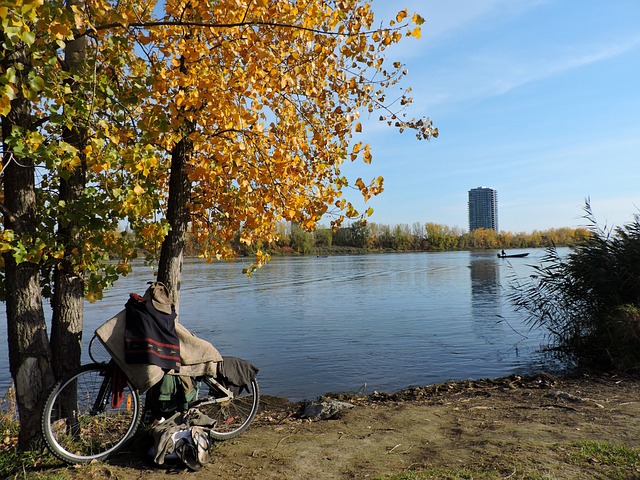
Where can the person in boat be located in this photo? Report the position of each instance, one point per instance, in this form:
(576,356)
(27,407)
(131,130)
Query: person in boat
(503,253)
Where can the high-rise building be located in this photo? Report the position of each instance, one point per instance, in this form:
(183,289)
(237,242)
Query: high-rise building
(483,208)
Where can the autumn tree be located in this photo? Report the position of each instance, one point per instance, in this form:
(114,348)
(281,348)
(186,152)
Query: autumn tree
(30,363)
(219,117)
(57,233)
(255,107)
(301,241)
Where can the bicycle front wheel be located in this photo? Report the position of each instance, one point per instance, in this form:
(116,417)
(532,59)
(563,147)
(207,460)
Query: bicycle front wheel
(232,415)
(88,416)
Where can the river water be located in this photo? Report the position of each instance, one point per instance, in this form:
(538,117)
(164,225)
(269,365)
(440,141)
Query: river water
(346,323)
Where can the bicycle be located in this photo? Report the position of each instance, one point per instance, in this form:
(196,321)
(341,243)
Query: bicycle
(85,418)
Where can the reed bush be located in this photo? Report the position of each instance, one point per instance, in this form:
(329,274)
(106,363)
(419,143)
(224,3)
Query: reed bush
(588,301)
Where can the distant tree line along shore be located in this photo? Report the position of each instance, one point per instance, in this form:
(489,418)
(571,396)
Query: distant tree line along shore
(374,237)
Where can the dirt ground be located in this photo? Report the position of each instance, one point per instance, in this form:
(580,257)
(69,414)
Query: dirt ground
(505,426)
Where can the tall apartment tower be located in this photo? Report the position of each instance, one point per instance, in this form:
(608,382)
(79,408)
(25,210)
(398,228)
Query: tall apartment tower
(483,208)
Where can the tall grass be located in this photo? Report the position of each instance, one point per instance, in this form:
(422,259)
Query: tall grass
(8,418)
(588,302)
(14,463)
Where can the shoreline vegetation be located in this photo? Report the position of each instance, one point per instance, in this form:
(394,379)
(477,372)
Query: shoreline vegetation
(375,238)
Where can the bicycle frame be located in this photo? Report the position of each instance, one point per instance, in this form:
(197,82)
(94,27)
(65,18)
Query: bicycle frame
(213,383)
(104,392)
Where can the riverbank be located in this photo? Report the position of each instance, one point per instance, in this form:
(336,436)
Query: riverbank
(531,427)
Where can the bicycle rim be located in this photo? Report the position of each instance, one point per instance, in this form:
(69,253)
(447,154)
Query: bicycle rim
(72,428)
(232,417)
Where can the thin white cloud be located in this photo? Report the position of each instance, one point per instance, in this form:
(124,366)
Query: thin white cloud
(458,61)
(489,74)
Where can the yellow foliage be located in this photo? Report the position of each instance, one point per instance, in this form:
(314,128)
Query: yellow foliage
(269,95)
(417,19)
(401,15)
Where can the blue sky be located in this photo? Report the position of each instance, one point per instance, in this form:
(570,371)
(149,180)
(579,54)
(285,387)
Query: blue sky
(538,99)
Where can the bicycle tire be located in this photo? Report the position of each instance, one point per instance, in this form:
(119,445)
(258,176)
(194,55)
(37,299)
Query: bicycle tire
(74,431)
(233,416)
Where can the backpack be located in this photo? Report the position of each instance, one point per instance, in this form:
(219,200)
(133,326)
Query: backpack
(190,448)
(182,438)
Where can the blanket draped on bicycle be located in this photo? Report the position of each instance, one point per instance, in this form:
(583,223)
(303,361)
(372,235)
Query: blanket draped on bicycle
(197,357)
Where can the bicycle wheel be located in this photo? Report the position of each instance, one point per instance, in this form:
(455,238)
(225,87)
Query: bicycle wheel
(232,415)
(85,420)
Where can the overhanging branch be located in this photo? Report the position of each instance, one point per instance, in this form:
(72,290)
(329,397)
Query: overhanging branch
(181,23)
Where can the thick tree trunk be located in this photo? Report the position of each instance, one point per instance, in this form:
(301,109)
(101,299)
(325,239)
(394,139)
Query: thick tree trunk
(68,297)
(172,253)
(67,321)
(29,351)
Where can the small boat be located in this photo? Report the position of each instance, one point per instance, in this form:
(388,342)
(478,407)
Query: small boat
(513,255)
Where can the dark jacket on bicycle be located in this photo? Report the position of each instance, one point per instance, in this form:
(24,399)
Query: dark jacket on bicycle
(150,335)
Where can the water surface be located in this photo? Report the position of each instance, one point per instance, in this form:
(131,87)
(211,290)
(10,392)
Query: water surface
(354,322)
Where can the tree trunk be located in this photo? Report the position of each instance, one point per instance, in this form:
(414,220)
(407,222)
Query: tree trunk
(67,320)
(29,351)
(172,253)
(68,297)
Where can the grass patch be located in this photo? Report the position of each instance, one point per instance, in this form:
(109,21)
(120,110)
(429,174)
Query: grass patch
(617,462)
(469,473)
(14,464)
(440,474)
(8,417)
(588,459)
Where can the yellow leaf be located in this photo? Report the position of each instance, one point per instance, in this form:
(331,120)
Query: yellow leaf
(5,106)
(93,297)
(138,190)
(401,15)
(358,127)
(7,93)
(366,156)
(416,33)
(417,19)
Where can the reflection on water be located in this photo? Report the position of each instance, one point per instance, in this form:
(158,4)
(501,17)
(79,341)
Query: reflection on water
(314,325)
(486,301)
(489,303)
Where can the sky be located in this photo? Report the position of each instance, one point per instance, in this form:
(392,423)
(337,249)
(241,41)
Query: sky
(538,99)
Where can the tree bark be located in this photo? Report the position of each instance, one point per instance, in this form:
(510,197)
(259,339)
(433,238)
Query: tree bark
(68,297)
(178,216)
(29,351)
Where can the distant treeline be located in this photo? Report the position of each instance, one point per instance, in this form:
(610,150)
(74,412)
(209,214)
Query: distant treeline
(416,237)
